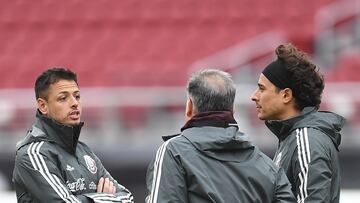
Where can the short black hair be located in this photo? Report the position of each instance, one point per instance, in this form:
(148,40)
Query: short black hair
(307,82)
(51,76)
(211,90)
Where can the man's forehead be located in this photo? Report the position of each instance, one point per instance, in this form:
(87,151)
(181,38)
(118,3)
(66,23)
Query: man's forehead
(264,81)
(64,85)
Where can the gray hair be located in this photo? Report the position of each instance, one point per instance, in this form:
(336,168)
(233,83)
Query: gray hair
(211,90)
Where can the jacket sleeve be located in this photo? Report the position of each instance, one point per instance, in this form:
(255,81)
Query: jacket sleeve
(283,193)
(122,194)
(165,178)
(36,173)
(312,168)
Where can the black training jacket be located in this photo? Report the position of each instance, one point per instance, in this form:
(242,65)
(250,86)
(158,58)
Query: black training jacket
(214,164)
(51,165)
(308,152)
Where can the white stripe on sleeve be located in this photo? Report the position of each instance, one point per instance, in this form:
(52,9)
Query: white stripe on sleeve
(157,172)
(304,160)
(39,164)
(104,197)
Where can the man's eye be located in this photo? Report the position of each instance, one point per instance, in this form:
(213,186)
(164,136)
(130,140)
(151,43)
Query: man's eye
(62,98)
(77,97)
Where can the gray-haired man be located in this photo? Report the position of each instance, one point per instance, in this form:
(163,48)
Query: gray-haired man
(210,160)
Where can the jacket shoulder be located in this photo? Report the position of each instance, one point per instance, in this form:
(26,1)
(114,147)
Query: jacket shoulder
(315,141)
(31,154)
(309,134)
(178,142)
(321,142)
(177,145)
(38,147)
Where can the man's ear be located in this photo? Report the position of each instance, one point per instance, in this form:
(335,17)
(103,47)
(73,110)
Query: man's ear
(189,111)
(42,106)
(287,95)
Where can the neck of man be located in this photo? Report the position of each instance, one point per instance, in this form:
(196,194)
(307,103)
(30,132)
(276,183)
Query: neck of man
(290,113)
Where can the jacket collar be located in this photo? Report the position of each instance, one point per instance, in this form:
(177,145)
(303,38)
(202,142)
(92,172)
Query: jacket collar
(64,135)
(327,122)
(222,119)
(283,128)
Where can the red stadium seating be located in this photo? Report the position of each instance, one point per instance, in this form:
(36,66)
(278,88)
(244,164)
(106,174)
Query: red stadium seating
(133,42)
(347,70)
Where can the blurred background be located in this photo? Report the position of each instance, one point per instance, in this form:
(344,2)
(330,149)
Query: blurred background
(133,58)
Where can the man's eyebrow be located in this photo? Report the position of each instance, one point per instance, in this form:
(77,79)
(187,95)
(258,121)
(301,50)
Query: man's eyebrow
(67,92)
(63,92)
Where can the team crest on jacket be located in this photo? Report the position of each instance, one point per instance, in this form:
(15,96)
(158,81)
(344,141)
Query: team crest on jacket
(91,164)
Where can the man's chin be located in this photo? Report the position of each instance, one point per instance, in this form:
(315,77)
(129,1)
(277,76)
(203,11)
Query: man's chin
(73,123)
(261,117)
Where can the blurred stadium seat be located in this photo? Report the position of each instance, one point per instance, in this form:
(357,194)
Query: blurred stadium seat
(109,33)
(347,69)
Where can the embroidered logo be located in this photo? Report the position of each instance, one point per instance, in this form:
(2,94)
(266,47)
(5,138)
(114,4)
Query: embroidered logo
(91,164)
(77,185)
(92,186)
(69,168)
(278,159)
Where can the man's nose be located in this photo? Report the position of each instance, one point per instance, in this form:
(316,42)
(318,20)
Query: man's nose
(253,96)
(74,101)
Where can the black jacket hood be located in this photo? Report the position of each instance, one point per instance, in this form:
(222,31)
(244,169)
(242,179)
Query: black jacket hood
(325,121)
(46,129)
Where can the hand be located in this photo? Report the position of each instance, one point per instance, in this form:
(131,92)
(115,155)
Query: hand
(106,186)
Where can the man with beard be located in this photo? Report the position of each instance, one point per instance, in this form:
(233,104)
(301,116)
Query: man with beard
(51,164)
(288,98)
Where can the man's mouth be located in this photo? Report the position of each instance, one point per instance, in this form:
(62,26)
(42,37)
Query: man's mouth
(75,115)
